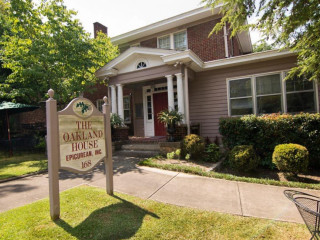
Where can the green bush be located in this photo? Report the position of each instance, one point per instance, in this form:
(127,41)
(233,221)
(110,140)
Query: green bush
(243,158)
(194,146)
(265,132)
(212,153)
(115,120)
(174,154)
(292,158)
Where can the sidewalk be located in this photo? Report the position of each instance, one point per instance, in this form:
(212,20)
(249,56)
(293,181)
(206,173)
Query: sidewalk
(246,199)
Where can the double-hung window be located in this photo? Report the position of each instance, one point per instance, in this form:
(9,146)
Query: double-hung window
(300,95)
(240,91)
(164,42)
(267,93)
(176,41)
(180,40)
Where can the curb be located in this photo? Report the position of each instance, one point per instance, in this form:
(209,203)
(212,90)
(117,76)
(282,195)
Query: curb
(22,176)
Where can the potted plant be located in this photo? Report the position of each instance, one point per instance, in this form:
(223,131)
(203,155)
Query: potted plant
(170,119)
(119,130)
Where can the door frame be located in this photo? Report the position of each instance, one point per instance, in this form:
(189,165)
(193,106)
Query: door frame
(149,91)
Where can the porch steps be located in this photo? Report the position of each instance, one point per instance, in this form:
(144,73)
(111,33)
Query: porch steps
(143,150)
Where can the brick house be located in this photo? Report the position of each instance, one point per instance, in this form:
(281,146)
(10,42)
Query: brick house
(173,64)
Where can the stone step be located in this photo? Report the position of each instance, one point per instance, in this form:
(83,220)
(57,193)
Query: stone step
(141,147)
(136,153)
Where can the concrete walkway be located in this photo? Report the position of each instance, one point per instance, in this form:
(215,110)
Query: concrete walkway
(238,198)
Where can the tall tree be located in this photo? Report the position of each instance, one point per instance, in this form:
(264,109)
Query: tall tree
(46,47)
(292,24)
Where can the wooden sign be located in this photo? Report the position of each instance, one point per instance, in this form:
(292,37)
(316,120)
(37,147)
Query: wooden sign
(78,138)
(81,136)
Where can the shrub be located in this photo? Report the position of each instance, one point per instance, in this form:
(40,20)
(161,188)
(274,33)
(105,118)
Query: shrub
(243,158)
(194,146)
(267,131)
(292,158)
(212,153)
(174,154)
(115,120)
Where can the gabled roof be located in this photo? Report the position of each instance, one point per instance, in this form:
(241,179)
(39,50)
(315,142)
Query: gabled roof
(110,69)
(179,20)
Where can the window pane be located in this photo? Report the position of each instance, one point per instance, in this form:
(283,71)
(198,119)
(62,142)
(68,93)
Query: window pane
(240,88)
(127,116)
(298,84)
(241,106)
(300,102)
(268,84)
(164,42)
(149,107)
(269,104)
(180,41)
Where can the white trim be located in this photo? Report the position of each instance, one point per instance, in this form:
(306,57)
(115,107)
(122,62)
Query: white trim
(283,93)
(129,52)
(148,124)
(171,39)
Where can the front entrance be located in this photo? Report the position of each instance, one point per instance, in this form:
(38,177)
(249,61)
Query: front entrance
(160,102)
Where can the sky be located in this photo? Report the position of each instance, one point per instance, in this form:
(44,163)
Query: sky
(121,16)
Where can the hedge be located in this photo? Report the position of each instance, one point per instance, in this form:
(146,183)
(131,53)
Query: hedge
(267,131)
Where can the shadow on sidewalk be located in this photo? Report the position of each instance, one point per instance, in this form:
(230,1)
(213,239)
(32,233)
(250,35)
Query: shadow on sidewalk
(117,221)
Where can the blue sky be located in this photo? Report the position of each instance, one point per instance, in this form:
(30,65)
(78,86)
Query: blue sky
(125,15)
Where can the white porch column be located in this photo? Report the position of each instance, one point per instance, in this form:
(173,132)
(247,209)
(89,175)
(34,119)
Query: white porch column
(113,99)
(120,101)
(186,98)
(170,92)
(180,94)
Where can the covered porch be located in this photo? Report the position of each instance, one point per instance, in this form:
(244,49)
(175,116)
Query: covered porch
(141,85)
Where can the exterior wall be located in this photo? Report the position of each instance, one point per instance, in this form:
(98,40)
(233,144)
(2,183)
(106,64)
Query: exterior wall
(99,92)
(151,43)
(207,48)
(208,92)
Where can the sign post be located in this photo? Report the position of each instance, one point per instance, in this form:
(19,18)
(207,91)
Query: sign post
(78,138)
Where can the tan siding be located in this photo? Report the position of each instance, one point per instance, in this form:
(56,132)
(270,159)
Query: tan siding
(138,122)
(208,92)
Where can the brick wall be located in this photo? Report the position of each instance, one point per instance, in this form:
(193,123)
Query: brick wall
(99,92)
(207,48)
(151,43)
(97,27)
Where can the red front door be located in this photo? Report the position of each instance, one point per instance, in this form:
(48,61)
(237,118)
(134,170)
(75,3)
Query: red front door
(160,102)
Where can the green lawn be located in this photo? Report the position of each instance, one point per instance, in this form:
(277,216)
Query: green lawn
(151,162)
(89,213)
(21,164)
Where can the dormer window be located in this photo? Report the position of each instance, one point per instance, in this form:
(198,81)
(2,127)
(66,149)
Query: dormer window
(176,41)
(141,65)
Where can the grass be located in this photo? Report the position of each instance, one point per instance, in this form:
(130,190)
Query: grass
(21,164)
(89,213)
(198,171)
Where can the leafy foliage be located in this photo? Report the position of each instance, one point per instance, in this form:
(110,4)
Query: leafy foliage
(243,158)
(116,120)
(265,132)
(291,24)
(174,154)
(212,153)
(169,117)
(45,46)
(292,158)
(194,146)
(261,46)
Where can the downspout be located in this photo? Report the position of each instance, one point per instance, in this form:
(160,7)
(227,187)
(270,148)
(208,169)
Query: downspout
(225,35)
(186,98)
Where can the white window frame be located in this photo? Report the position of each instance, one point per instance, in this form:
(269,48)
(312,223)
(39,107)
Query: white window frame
(171,36)
(254,92)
